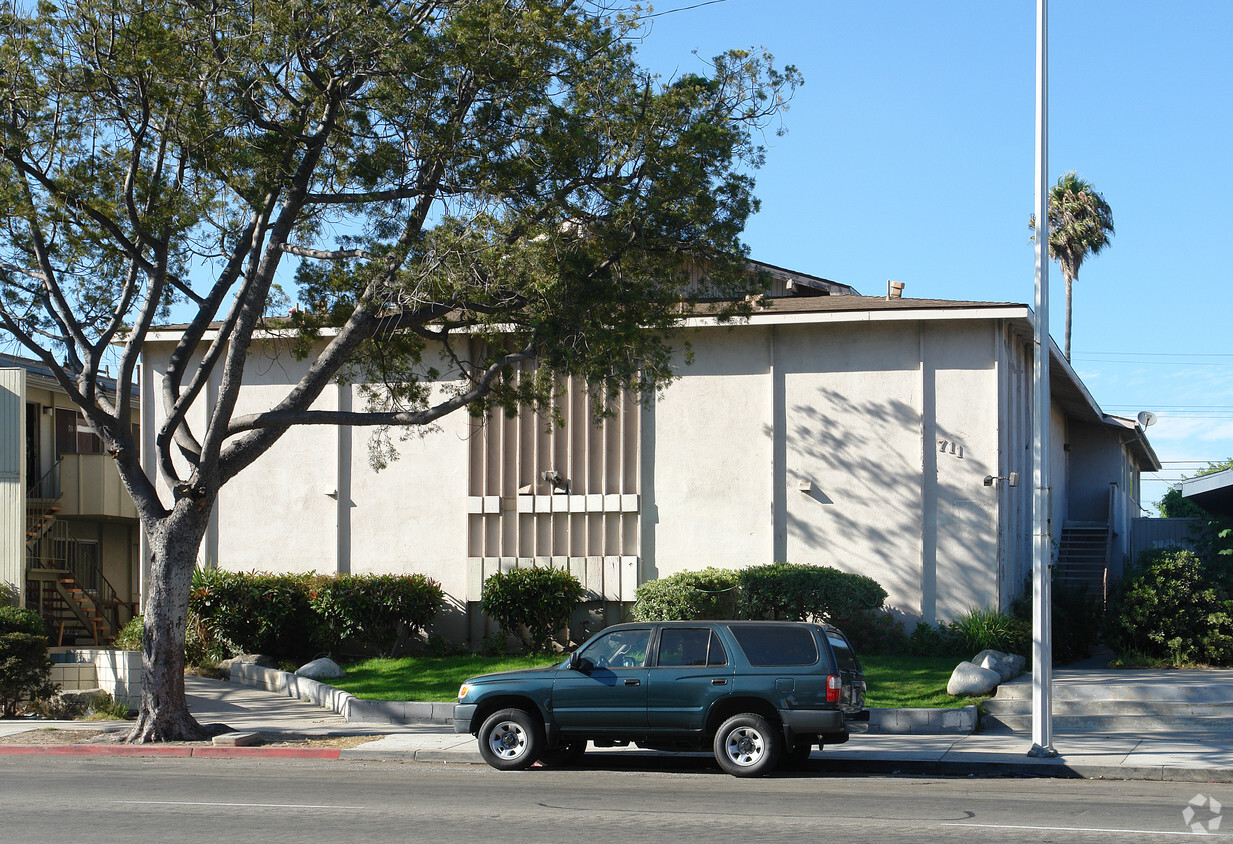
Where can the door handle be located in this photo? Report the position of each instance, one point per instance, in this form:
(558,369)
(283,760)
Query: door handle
(632,682)
(719,681)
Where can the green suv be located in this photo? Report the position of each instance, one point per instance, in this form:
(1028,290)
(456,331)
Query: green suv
(757,693)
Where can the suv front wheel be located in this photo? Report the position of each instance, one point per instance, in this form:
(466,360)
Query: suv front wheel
(747,746)
(511,740)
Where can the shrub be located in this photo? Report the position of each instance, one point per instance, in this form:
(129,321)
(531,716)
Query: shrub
(990,629)
(942,640)
(25,670)
(1169,605)
(129,637)
(373,608)
(798,591)
(252,612)
(687,595)
(539,600)
(875,632)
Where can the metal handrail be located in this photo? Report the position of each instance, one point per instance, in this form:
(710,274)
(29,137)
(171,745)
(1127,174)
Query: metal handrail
(47,487)
(88,574)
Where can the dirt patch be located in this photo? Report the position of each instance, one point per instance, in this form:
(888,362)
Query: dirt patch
(54,735)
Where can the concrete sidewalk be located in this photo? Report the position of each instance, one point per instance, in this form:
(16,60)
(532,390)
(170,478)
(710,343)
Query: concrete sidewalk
(1159,756)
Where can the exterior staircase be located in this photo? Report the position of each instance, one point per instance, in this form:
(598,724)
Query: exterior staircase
(67,588)
(1112,701)
(1083,557)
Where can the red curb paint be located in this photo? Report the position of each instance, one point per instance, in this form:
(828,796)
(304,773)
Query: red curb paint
(267,752)
(90,750)
(176,752)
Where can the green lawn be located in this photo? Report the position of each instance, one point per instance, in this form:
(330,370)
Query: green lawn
(899,682)
(893,681)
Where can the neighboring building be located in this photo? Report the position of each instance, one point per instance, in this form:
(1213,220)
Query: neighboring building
(886,436)
(1214,492)
(68,529)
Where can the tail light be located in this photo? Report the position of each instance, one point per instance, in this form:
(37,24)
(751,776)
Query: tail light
(832,688)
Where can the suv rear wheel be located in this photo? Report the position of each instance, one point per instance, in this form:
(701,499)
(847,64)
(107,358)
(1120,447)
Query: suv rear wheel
(511,739)
(746,745)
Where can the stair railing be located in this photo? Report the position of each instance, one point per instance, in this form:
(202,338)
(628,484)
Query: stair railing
(46,488)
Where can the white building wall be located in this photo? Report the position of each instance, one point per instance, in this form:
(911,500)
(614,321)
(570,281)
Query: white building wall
(707,459)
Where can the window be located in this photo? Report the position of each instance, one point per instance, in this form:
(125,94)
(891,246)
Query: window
(74,435)
(776,644)
(689,646)
(843,652)
(619,649)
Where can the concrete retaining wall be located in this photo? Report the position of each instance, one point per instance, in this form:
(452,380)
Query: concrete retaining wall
(116,672)
(919,721)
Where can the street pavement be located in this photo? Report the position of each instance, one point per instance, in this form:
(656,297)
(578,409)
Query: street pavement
(1191,757)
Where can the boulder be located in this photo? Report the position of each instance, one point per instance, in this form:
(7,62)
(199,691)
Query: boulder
(321,669)
(970,679)
(80,700)
(1008,666)
(249,659)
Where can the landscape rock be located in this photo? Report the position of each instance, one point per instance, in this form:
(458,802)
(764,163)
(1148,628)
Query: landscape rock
(83,699)
(262,660)
(1008,666)
(321,669)
(970,679)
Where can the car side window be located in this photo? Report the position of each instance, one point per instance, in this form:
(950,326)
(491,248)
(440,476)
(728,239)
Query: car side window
(689,646)
(768,644)
(843,652)
(619,649)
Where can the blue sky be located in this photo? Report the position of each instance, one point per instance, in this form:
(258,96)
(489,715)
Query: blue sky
(909,156)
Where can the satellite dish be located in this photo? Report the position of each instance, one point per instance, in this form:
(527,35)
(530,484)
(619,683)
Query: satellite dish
(1146,418)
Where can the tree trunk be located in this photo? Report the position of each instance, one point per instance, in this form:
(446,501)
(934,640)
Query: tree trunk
(174,541)
(1066,349)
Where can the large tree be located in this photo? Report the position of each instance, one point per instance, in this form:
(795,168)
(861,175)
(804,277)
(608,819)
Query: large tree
(494,181)
(1080,224)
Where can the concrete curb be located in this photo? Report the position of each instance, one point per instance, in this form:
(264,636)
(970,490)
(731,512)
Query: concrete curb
(178,751)
(881,721)
(342,703)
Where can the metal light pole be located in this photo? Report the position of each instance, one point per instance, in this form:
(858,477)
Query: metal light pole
(1042,550)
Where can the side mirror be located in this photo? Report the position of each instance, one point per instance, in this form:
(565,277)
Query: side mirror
(578,663)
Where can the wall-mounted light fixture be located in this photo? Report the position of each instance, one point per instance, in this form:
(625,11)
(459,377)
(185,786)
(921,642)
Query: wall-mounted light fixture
(330,493)
(805,486)
(1011,480)
(554,479)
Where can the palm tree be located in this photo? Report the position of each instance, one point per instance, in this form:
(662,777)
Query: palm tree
(1080,223)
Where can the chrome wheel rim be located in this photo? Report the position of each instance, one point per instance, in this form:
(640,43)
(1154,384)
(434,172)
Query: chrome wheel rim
(507,740)
(745,746)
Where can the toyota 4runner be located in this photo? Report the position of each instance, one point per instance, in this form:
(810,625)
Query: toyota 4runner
(756,693)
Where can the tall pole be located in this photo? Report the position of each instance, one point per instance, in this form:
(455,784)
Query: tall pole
(1042,546)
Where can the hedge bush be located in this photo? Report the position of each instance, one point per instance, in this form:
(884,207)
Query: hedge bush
(800,592)
(687,595)
(373,608)
(25,670)
(294,616)
(536,600)
(1170,606)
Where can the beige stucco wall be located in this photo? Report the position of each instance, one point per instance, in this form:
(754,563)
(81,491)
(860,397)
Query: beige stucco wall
(313,503)
(893,454)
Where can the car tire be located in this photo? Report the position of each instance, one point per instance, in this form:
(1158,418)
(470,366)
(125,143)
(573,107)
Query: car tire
(567,755)
(797,757)
(511,739)
(746,745)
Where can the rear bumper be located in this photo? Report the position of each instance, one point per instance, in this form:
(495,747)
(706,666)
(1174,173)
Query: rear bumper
(812,721)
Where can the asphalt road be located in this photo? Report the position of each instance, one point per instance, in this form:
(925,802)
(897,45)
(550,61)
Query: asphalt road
(51,799)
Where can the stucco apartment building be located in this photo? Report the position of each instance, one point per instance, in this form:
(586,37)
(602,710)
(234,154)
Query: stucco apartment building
(68,528)
(886,436)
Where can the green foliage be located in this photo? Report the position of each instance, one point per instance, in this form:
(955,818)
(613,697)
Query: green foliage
(295,616)
(129,637)
(536,599)
(1171,606)
(799,592)
(687,595)
(941,640)
(990,629)
(25,670)
(374,608)
(875,632)
(253,612)
(108,709)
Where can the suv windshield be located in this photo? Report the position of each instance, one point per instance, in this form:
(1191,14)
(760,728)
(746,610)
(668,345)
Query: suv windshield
(776,644)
